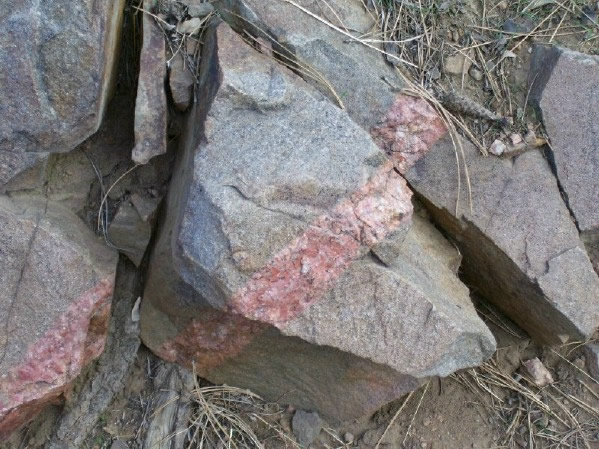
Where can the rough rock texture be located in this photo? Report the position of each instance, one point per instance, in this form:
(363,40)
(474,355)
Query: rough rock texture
(544,283)
(354,72)
(57,281)
(54,95)
(565,84)
(181,82)
(528,259)
(257,274)
(306,427)
(129,232)
(592,360)
(150,105)
(84,408)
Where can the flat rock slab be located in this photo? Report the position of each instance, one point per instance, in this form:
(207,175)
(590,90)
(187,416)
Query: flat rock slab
(565,89)
(57,282)
(528,259)
(267,262)
(54,95)
(150,105)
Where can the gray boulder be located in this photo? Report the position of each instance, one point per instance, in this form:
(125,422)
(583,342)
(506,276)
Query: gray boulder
(519,243)
(57,281)
(565,89)
(530,260)
(286,263)
(57,80)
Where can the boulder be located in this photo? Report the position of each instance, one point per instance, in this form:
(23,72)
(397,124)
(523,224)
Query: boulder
(287,262)
(348,73)
(529,260)
(57,282)
(546,284)
(55,93)
(150,105)
(564,85)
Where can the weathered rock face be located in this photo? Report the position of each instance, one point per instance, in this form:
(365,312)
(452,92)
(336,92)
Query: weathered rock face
(57,282)
(130,232)
(150,104)
(565,84)
(287,264)
(54,95)
(528,259)
(350,72)
(544,283)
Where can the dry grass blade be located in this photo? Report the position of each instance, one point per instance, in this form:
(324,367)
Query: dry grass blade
(230,417)
(397,413)
(345,33)
(537,417)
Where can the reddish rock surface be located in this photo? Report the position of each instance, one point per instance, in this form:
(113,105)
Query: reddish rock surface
(58,287)
(408,131)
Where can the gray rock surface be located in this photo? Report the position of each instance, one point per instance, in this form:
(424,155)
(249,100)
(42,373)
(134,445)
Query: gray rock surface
(278,267)
(181,82)
(59,81)
(306,427)
(528,259)
(507,238)
(341,69)
(57,281)
(592,360)
(150,105)
(565,89)
(129,233)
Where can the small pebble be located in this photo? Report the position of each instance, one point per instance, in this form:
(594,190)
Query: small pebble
(427,422)
(191,26)
(348,437)
(475,73)
(515,138)
(537,372)
(502,4)
(497,148)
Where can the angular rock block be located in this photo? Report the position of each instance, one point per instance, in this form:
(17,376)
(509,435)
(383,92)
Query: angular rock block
(350,73)
(565,89)
(57,282)
(288,262)
(530,260)
(519,243)
(150,105)
(55,93)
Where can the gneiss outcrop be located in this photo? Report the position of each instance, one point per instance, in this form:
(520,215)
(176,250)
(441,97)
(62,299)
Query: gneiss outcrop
(290,261)
(521,249)
(57,282)
(302,250)
(55,84)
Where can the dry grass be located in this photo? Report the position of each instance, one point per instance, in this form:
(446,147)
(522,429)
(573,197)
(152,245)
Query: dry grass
(425,33)
(549,417)
(230,417)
